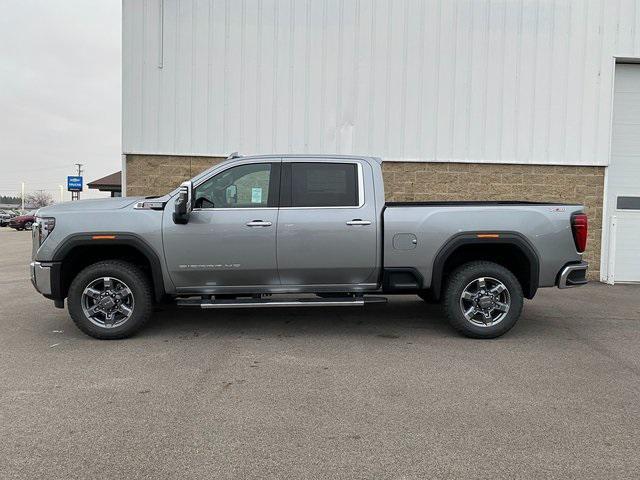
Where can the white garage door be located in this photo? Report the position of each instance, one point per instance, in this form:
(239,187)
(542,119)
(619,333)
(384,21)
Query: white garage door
(623,187)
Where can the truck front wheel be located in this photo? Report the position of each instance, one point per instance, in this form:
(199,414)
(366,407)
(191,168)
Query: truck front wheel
(483,299)
(110,299)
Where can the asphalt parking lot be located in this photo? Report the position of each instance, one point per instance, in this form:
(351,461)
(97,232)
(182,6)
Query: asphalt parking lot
(382,392)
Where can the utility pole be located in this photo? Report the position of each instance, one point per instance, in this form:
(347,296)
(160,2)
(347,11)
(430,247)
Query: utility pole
(76,195)
(22,196)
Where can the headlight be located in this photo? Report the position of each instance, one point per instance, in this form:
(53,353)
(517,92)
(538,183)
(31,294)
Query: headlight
(45,226)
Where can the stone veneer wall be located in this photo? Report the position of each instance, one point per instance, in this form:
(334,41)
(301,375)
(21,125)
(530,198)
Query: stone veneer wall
(415,181)
(408,181)
(159,174)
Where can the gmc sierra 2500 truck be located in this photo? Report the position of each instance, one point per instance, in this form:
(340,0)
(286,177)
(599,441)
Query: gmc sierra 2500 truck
(251,230)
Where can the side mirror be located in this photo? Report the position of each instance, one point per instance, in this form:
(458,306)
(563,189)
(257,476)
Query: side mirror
(182,206)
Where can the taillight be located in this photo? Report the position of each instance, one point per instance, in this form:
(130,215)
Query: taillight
(580,227)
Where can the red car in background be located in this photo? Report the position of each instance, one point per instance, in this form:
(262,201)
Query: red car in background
(23,222)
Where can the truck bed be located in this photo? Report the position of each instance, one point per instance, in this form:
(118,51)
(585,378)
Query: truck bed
(413,236)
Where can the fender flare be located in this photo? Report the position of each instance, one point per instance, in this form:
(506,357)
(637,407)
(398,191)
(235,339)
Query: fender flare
(128,239)
(471,238)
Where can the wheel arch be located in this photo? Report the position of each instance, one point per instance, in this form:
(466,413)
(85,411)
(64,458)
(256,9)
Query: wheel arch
(80,250)
(509,249)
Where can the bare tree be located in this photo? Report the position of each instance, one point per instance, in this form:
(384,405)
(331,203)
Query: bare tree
(38,199)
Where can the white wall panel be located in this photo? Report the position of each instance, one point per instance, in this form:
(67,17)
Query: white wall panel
(524,81)
(623,179)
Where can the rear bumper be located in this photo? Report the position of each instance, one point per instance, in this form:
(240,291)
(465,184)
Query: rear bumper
(573,275)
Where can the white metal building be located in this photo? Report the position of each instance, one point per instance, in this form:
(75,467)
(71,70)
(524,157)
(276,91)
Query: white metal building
(526,82)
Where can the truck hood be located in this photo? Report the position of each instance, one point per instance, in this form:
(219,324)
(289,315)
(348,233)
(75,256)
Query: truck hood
(93,205)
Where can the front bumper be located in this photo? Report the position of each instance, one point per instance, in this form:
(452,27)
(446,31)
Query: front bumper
(46,277)
(41,277)
(573,275)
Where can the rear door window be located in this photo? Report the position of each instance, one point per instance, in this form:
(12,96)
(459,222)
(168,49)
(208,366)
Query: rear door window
(317,184)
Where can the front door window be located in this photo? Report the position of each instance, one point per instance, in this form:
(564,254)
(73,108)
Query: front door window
(244,186)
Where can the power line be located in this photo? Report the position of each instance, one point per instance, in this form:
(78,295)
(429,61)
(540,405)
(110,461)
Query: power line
(28,189)
(23,170)
(32,184)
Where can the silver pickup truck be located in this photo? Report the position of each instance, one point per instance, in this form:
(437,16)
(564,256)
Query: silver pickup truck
(268,231)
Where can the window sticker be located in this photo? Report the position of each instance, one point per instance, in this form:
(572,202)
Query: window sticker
(256,195)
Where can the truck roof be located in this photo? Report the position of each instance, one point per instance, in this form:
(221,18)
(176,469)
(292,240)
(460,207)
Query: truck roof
(305,155)
(475,203)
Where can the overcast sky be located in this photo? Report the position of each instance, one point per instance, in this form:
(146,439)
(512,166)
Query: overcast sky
(60,92)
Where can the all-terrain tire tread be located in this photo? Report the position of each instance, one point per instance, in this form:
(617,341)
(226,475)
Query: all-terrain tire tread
(460,277)
(143,296)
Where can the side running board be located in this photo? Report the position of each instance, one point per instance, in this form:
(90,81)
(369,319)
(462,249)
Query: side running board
(271,302)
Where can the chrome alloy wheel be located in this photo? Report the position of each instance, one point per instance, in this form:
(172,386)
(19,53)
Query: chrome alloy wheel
(485,301)
(107,302)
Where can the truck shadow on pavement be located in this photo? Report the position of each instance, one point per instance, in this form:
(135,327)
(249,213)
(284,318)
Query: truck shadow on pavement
(400,317)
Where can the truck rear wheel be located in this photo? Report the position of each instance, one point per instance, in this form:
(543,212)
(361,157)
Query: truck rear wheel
(483,299)
(110,299)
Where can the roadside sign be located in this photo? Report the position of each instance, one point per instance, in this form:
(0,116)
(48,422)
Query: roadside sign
(74,184)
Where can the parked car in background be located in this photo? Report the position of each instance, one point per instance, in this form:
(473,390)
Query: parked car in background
(23,222)
(5,216)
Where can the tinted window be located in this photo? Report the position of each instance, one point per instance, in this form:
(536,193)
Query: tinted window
(628,203)
(244,186)
(324,185)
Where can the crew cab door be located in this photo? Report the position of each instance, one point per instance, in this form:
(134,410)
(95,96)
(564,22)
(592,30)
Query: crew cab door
(230,239)
(327,223)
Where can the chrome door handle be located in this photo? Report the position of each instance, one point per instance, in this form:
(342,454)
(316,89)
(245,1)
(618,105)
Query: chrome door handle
(357,221)
(258,223)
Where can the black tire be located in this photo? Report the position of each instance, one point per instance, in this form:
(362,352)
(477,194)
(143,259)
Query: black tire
(137,281)
(456,285)
(28,225)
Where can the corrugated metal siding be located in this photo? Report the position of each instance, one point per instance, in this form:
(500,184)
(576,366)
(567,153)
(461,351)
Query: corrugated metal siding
(524,81)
